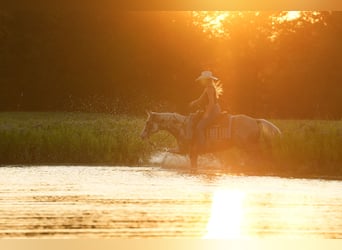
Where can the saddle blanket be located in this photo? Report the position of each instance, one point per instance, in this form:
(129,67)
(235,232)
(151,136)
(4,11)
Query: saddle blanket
(218,133)
(221,130)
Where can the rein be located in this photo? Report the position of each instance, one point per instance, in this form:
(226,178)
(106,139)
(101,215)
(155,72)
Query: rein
(154,145)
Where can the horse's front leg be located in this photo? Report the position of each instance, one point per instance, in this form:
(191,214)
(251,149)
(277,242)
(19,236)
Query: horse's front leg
(193,155)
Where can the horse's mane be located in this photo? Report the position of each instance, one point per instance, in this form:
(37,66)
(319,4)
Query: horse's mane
(169,115)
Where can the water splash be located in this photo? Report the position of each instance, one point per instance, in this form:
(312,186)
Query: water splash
(168,159)
(174,160)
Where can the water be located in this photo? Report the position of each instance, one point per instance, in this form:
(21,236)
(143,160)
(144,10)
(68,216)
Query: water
(146,202)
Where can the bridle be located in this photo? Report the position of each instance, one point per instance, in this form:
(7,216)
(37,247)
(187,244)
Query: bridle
(154,145)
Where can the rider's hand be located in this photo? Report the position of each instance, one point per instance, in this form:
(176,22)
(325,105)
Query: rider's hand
(192,104)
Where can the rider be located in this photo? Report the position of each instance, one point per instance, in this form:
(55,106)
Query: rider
(210,96)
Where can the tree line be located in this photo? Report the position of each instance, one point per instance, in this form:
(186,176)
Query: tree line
(68,59)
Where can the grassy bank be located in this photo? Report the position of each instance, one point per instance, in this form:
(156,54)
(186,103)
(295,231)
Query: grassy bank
(306,148)
(313,147)
(71,138)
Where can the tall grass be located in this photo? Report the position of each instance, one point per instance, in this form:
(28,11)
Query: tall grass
(305,148)
(71,138)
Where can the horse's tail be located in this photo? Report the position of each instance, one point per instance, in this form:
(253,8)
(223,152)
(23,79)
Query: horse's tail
(268,128)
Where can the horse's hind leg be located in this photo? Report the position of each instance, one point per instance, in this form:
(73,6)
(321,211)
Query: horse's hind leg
(254,154)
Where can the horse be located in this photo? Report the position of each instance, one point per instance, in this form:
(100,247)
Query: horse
(239,130)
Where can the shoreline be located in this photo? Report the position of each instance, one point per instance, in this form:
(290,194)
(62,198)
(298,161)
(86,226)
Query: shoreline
(307,149)
(188,170)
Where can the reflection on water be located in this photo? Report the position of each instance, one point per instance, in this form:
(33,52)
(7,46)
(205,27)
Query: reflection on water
(140,202)
(226,216)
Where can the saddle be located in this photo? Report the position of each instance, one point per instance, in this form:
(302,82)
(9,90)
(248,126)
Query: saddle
(220,129)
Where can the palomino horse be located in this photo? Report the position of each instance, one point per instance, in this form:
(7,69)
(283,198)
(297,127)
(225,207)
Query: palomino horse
(241,130)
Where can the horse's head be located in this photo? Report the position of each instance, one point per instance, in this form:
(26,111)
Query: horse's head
(151,125)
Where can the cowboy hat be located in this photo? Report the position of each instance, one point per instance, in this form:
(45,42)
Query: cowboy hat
(206,75)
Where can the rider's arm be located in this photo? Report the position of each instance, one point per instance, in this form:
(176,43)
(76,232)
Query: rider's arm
(211,96)
(200,99)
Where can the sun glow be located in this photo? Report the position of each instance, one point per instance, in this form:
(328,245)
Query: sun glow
(226,215)
(218,24)
(211,21)
(288,16)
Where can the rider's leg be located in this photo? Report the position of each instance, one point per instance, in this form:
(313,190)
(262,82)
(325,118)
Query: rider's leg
(200,131)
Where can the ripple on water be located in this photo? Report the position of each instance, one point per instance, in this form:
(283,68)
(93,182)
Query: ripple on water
(82,201)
